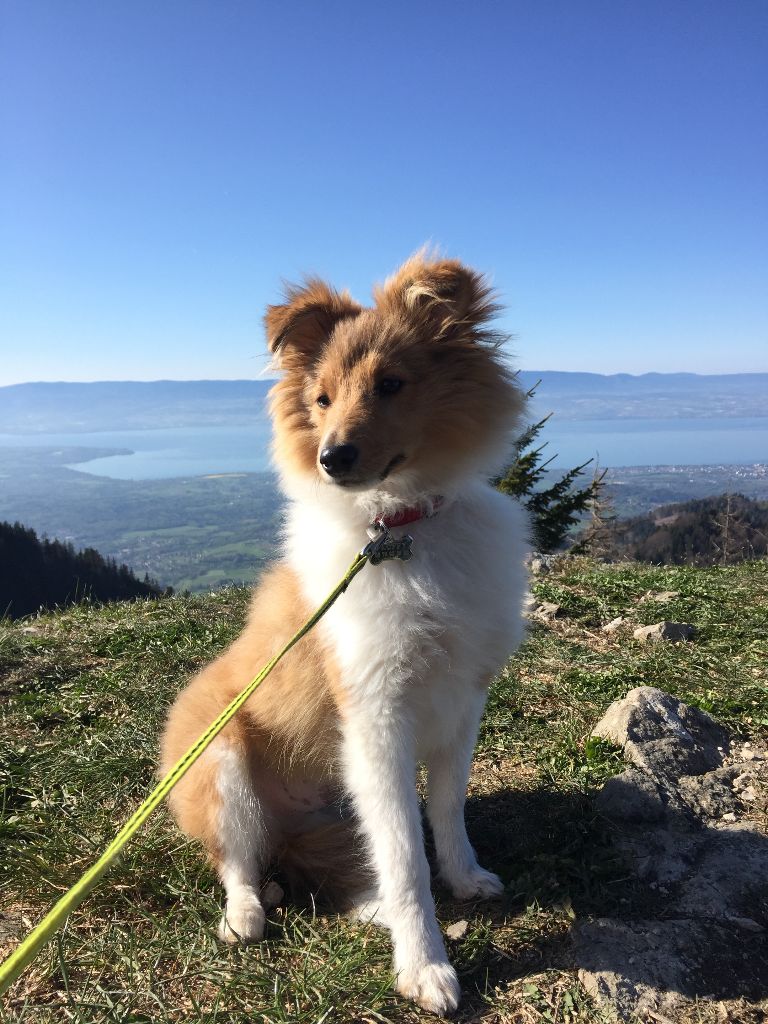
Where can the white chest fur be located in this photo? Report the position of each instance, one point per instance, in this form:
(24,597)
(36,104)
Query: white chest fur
(427,631)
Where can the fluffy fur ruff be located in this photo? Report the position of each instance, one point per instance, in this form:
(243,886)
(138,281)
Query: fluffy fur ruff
(323,757)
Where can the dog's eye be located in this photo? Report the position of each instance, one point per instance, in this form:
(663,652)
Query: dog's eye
(389,386)
(323,401)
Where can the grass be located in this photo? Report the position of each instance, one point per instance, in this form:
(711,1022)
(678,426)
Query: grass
(83,694)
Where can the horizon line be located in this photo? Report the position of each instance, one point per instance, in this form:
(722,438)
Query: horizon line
(266,379)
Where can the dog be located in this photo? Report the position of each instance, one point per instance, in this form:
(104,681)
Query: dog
(395,415)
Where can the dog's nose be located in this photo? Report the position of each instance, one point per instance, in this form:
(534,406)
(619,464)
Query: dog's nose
(338,459)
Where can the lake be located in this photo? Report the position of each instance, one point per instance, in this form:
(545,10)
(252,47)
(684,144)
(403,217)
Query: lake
(192,451)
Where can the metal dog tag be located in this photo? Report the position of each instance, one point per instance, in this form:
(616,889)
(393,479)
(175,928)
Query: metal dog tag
(385,546)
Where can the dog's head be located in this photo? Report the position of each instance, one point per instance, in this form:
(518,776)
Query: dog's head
(411,391)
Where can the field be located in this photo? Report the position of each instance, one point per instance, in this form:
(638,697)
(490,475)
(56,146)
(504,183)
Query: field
(84,694)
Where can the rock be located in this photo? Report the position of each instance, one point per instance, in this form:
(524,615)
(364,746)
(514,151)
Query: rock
(649,968)
(613,625)
(704,927)
(541,563)
(547,610)
(710,795)
(663,597)
(663,735)
(272,895)
(457,930)
(665,631)
(631,796)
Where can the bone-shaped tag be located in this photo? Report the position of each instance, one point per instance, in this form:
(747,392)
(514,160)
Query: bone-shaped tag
(387,546)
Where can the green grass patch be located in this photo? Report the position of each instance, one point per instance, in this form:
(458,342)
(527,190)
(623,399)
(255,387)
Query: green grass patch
(83,694)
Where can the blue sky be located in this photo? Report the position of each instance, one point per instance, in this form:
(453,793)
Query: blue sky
(165,165)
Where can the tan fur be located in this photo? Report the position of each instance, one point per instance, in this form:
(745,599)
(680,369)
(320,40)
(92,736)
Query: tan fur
(456,392)
(288,728)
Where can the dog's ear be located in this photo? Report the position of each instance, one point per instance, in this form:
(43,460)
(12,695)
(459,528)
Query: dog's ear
(447,299)
(298,328)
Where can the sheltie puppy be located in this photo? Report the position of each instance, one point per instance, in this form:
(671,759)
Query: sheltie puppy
(395,414)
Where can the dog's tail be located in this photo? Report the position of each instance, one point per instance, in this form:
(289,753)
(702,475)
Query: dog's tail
(326,866)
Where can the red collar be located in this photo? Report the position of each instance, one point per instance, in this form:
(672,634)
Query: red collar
(412,514)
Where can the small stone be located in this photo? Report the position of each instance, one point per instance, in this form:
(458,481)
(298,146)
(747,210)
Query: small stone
(748,755)
(730,816)
(613,625)
(746,924)
(548,610)
(272,895)
(457,930)
(665,631)
(543,562)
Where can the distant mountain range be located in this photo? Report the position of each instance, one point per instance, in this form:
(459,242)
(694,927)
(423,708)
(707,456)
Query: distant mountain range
(139,405)
(130,405)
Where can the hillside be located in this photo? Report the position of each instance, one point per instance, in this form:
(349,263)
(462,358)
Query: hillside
(191,533)
(42,573)
(718,530)
(85,691)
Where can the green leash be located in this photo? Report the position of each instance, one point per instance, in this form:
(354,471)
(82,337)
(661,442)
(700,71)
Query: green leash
(29,947)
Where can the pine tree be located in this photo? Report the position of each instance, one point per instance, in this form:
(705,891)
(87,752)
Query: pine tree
(555,508)
(596,538)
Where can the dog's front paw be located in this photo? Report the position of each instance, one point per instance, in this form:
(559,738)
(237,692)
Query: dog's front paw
(434,987)
(244,921)
(477,883)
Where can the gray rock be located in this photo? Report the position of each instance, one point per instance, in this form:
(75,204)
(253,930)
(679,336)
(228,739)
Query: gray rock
(662,735)
(665,631)
(649,967)
(701,870)
(710,795)
(613,625)
(633,797)
(541,563)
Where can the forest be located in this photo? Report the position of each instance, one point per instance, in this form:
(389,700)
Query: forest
(41,573)
(720,530)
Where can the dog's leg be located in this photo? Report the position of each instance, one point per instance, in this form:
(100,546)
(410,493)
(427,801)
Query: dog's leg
(380,770)
(242,840)
(448,773)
